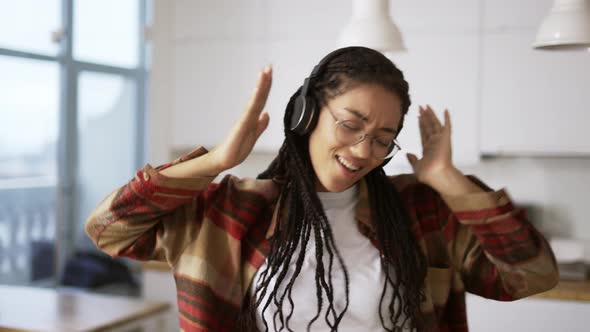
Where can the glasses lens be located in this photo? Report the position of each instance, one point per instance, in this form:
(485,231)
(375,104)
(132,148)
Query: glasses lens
(349,132)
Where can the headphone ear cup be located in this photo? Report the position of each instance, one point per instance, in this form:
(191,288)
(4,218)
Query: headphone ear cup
(303,115)
(298,109)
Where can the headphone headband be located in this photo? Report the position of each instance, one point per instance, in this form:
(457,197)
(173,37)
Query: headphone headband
(320,66)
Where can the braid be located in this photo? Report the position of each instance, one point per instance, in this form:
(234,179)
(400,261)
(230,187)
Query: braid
(393,236)
(401,258)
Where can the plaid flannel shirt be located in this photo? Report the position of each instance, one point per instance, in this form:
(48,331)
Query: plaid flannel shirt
(215,236)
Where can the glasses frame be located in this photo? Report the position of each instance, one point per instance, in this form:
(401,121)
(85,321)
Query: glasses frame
(339,122)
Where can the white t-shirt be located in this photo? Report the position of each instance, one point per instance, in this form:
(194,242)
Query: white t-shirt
(366,276)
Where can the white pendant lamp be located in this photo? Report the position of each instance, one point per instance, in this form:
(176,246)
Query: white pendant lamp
(371,26)
(566,27)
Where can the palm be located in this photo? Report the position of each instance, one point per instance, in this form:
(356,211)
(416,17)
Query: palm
(436,145)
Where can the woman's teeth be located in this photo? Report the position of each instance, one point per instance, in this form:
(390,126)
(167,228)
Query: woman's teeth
(347,164)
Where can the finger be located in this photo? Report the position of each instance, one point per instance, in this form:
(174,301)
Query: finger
(437,121)
(261,92)
(431,125)
(262,124)
(421,124)
(427,125)
(432,120)
(413,160)
(447,120)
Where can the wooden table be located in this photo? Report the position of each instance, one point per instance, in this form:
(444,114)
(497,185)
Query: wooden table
(568,290)
(37,309)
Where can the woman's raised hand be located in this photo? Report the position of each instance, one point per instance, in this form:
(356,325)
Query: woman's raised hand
(436,147)
(240,140)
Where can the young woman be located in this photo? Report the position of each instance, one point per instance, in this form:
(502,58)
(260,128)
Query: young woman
(323,240)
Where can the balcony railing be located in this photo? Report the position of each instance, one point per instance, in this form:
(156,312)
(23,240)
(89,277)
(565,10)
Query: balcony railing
(27,230)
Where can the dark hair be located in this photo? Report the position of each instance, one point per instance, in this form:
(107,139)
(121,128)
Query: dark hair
(400,253)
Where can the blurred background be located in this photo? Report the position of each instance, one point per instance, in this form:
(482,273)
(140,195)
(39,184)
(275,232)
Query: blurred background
(92,90)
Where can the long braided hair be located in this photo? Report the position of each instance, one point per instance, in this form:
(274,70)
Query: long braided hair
(401,258)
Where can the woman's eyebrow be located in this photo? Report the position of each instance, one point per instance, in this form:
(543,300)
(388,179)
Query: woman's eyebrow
(361,116)
(357,114)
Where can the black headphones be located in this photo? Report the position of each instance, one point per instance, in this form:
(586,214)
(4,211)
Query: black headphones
(305,108)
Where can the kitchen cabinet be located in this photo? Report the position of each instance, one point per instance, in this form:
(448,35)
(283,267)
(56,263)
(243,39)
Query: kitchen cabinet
(441,66)
(452,86)
(533,102)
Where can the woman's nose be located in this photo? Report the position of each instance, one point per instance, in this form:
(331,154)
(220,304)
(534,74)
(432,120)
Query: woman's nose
(362,149)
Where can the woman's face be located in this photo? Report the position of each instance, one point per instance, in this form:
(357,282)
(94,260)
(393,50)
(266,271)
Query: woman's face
(339,166)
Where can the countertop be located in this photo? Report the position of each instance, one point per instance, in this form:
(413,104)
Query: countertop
(568,290)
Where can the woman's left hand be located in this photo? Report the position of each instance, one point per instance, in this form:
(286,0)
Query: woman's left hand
(436,147)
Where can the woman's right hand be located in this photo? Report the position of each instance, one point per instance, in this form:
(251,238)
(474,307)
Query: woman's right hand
(240,140)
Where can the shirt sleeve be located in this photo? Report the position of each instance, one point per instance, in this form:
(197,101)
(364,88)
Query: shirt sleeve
(499,254)
(152,217)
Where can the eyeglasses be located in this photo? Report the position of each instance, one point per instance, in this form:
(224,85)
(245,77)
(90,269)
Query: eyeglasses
(351,132)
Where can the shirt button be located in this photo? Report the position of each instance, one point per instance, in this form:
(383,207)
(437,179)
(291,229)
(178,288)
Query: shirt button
(146,176)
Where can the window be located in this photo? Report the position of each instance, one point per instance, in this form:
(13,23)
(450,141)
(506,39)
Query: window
(71,110)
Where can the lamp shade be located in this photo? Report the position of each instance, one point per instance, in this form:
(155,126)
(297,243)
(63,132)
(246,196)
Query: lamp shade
(371,26)
(566,27)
